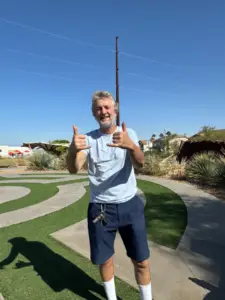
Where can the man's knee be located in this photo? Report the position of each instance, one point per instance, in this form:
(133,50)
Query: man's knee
(107,264)
(107,270)
(141,265)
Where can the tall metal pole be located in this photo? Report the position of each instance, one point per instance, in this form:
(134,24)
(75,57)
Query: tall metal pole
(117,84)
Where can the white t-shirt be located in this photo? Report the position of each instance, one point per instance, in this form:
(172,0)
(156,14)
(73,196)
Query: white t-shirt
(110,170)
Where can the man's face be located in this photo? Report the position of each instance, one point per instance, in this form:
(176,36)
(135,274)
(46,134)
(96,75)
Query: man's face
(105,112)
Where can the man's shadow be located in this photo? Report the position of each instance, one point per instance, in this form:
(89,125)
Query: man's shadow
(55,270)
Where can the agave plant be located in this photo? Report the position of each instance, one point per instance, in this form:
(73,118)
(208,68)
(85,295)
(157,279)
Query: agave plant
(206,168)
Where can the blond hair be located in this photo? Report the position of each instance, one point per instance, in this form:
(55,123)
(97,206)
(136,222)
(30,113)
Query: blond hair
(98,95)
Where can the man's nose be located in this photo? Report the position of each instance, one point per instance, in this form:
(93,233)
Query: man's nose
(104,111)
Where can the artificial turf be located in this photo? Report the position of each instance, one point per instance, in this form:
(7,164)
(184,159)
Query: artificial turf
(165,212)
(27,178)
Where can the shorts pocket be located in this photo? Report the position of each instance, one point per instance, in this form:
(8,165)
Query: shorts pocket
(94,210)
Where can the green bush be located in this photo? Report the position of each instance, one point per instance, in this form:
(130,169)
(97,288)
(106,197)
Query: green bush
(206,168)
(41,161)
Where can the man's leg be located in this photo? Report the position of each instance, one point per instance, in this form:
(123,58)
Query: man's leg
(107,270)
(107,275)
(142,272)
(101,238)
(143,278)
(133,233)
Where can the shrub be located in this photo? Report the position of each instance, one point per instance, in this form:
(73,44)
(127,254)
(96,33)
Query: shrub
(172,169)
(7,162)
(61,162)
(206,168)
(41,161)
(152,166)
(20,161)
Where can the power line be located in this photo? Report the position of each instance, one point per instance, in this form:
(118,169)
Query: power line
(73,62)
(46,75)
(149,91)
(146,59)
(142,76)
(60,36)
(78,79)
(56,35)
(53,58)
(32,54)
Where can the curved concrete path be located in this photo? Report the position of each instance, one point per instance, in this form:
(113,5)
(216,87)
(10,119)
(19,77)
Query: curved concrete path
(9,193)
(44,181)
(202,246)
(67,195)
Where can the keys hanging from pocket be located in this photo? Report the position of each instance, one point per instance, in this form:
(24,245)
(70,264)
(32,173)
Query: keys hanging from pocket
(100,217)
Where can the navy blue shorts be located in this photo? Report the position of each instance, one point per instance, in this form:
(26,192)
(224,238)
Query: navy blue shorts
(128,219)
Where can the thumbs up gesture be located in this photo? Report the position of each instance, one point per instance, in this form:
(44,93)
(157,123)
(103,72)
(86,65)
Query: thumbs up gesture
(122,139)
(79,140)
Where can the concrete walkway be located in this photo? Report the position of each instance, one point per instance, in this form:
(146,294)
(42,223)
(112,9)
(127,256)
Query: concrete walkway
(169,273)
(44,181)
(194,271)
(67,195)
(202,246)
(9,193)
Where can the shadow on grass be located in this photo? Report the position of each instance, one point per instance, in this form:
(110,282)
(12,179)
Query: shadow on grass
(57,272)
(166,218)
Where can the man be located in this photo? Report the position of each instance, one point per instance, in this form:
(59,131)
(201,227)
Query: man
(111,153)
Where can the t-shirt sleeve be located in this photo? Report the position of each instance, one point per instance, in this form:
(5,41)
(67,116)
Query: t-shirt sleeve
(132,134)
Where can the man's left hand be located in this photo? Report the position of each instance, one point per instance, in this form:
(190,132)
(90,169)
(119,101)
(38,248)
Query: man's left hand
(122,139)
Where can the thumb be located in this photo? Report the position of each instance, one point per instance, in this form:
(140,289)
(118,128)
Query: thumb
(124,127)
(75,130)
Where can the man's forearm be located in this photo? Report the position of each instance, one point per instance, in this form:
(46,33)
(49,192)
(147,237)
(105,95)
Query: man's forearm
(137,156)
(71,159)
(75,159)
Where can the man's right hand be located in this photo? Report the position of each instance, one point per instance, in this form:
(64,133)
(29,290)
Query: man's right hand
(79,140)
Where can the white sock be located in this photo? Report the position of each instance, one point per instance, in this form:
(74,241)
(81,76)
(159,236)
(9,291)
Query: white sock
(146,291)
(110,289)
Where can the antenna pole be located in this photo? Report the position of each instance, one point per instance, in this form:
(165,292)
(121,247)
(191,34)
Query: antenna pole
(117,84)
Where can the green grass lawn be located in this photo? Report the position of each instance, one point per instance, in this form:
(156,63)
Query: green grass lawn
(53,174)
(39,192)
(26,178)
(166,214)
(39,267)
(46,173)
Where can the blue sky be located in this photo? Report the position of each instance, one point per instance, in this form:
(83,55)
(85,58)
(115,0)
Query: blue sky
(55,54)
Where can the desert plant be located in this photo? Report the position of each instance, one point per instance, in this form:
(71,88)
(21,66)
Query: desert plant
(61,163)
(175,147)
(20,161)
(7,162)
(206,168)
(41,161)
(152,166)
